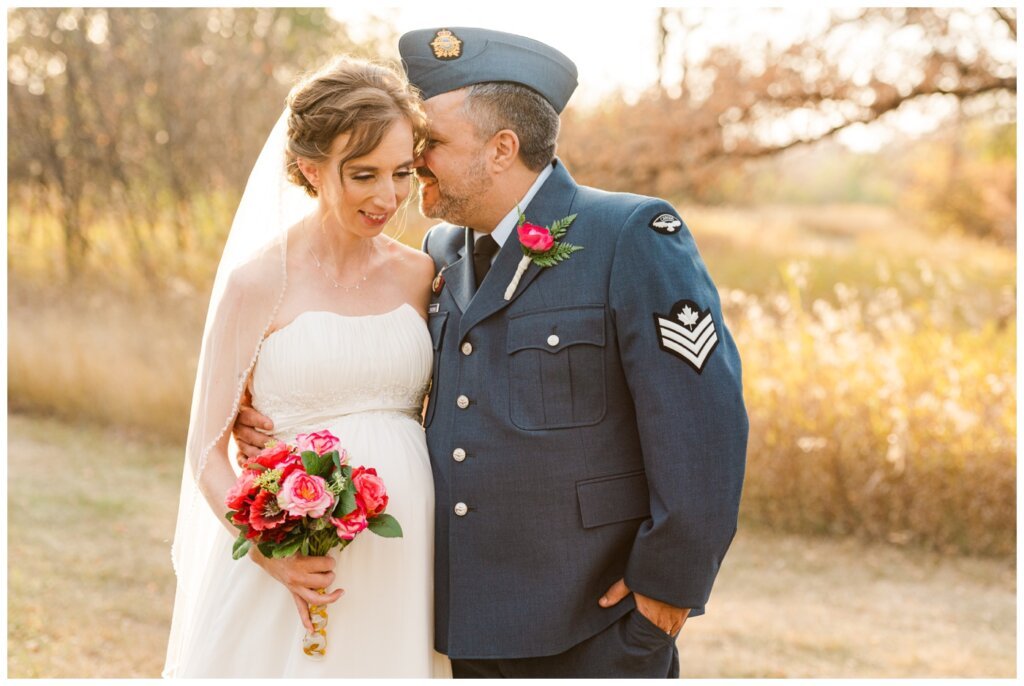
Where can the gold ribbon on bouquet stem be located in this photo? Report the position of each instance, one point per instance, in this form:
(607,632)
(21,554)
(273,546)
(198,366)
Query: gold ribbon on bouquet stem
(314,643)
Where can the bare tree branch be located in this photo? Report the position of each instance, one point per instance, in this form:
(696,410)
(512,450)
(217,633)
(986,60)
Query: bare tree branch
(1009,18)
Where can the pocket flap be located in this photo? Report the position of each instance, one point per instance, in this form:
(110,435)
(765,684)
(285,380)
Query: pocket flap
(616,498)
(555,329)
(435,322)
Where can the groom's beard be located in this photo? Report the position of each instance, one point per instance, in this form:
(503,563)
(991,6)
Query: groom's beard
(457,201)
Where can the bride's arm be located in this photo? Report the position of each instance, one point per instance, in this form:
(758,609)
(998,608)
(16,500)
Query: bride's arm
(301,575)
(229,347)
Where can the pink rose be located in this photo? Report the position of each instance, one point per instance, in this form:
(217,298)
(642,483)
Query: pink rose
(535,238)
(302,495)
(370,492)
(321,442)
(351,524)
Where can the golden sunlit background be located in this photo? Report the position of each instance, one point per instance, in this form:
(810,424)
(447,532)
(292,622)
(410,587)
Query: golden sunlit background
(849,176)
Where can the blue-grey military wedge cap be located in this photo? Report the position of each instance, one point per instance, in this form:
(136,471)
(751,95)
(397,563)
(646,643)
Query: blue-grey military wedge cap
(446,59)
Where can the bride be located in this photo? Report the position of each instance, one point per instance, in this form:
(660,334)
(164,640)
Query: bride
(320,318)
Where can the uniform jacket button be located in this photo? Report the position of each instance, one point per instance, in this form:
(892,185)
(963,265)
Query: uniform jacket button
(462,402)
(467,348)
(461,509)
(459,454)
(553,340)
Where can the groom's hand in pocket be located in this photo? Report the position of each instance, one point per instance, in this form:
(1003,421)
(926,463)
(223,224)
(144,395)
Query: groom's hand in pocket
(303,576)
(250,441)
(668,618)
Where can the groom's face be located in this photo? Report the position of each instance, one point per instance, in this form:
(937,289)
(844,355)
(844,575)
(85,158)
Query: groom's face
(453,175)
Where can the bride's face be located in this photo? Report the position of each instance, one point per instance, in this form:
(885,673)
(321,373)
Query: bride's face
(366,191)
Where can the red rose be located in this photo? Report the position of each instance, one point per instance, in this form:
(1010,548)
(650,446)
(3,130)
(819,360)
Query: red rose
(241,491)
(288,465)
(241,516)
(535,238)
(351,524)
(273,455)
(370,491)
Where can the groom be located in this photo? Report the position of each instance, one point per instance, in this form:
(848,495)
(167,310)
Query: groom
(586,423)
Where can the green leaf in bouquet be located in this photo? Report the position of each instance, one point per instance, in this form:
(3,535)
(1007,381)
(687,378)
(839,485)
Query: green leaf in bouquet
(241,547)
(288,548)
(385,525)
(335,458)
(305,546)
(346,503)
(316,465)
(266,548)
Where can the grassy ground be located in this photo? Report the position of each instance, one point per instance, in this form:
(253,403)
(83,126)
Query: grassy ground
(90,587)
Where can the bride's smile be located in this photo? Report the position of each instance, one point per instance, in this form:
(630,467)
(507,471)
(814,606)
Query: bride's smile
(359,196)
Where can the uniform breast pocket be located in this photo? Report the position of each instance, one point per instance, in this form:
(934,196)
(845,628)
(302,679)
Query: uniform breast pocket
(556,367)
(435,323)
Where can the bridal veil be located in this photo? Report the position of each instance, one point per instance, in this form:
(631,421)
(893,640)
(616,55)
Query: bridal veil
(247,290)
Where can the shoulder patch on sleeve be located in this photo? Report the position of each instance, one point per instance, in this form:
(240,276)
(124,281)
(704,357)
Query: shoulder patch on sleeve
(688,333)
(665,223)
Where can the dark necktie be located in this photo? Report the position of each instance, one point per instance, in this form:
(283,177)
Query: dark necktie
(484,248)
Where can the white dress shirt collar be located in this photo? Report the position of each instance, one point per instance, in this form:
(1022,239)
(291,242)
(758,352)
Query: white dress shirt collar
(504,228)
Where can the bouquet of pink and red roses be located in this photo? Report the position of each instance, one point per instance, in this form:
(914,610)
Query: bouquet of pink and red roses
(306,498)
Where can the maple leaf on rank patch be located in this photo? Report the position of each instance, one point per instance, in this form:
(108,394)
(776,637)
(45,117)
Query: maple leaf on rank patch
(688,317)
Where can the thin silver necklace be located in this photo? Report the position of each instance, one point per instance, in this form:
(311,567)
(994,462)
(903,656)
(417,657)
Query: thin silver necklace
(354,287)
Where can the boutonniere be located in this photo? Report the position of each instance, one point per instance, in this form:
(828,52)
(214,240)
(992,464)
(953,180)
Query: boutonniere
(541,246)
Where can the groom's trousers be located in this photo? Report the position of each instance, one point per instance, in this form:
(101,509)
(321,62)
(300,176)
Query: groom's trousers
(633,646)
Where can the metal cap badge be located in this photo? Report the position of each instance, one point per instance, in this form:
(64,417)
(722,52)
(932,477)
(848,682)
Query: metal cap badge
(442,59)
(446,45)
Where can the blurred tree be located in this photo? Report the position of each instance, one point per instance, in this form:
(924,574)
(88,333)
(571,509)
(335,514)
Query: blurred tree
(747,97)
(145,113)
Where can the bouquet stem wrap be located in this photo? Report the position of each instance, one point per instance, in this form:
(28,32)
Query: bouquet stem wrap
(314,643)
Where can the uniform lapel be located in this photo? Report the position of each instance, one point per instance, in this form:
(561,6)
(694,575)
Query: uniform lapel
(551,203)
(458,276)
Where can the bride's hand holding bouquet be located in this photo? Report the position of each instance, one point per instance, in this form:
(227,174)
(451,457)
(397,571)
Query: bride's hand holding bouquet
(292,504)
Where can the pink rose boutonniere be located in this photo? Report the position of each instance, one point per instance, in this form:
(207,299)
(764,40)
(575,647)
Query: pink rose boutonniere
(541,246)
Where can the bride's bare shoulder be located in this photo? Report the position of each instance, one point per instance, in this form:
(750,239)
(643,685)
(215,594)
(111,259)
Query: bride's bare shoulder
(415,265)
(259,275)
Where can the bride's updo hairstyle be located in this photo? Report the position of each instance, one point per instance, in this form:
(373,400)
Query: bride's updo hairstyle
(352,96)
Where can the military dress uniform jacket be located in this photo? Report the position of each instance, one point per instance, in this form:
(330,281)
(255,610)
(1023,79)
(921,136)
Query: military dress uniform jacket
(589,429)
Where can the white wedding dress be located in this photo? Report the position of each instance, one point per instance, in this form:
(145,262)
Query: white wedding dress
(362,378)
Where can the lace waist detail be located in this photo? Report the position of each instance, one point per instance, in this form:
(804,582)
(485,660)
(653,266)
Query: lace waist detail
(323,366)
(287,430)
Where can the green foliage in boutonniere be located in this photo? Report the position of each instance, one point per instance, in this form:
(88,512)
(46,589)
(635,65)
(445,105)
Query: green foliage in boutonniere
(541,246)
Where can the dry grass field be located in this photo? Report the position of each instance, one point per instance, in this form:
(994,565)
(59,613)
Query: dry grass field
(91,512)
(879,506)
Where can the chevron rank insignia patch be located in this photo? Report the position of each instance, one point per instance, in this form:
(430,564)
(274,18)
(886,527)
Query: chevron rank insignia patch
(688,333)
(666,223)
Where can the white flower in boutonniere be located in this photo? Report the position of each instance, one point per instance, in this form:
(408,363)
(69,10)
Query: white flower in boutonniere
(541,246)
